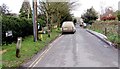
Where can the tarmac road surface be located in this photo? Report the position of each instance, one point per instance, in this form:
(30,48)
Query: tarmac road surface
(80,49)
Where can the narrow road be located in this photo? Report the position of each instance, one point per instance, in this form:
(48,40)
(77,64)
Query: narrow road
(81,49)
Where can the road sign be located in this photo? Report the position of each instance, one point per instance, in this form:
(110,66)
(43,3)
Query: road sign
(8,33)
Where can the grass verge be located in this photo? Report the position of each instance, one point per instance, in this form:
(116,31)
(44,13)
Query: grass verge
(28,49)
(111,30)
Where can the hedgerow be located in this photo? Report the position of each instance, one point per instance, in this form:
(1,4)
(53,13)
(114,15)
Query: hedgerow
(20,27)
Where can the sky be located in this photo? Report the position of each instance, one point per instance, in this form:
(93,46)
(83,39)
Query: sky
(15,5)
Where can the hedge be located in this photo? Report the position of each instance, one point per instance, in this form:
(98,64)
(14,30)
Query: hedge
(20,27)
(108,18)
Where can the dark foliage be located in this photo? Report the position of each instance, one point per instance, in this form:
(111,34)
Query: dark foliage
(89,16)
(20,27)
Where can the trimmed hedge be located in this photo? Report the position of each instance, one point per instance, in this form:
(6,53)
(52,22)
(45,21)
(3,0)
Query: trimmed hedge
(20,27)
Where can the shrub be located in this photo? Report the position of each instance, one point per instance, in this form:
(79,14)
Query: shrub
(108,18)
(41,22)
(118,17)
(19,27)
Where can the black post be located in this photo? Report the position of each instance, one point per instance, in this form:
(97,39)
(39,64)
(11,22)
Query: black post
(105,31)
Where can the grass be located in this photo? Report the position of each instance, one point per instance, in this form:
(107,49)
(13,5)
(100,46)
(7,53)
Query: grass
(112,30)
(28,49)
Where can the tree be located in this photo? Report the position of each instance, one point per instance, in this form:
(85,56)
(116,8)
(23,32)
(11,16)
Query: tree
(118,15)
(4,9)
(89,16)
(55,12)
(25,10)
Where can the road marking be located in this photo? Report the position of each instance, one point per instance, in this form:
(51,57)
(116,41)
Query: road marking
(106,46)
(58,38)
(77,47)
(38,58)
(42,55)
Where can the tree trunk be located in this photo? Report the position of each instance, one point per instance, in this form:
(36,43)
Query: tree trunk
(59,17)
(47,20)
(51,22)
(58,21)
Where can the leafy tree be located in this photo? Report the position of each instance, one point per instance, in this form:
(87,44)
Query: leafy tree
(89,16)
(25,10)
(118,15)
(55,12)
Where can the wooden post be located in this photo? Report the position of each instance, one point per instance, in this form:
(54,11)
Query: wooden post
(35,20)
(105,31)
(18,46)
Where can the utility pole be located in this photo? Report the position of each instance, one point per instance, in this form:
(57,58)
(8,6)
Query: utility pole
(35,20)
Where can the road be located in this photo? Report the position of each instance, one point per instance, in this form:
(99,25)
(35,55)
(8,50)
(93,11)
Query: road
(81,49)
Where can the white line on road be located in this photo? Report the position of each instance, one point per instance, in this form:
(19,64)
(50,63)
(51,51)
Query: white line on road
(37,59)
(42,55)
(77,47)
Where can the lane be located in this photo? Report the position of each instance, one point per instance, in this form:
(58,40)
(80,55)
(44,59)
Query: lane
(93,52)
(79,50)
(58,53)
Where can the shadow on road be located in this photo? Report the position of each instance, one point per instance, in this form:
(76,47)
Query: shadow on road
(66,33)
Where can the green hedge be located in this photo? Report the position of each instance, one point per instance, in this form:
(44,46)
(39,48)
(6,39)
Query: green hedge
(41,22)
(20,27)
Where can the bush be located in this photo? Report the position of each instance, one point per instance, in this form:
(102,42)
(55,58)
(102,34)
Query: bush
(41,22)
(108,18)
(19,27)
(118,17)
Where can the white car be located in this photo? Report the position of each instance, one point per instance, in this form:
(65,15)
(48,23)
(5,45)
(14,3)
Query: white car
(85,25)
(68,26)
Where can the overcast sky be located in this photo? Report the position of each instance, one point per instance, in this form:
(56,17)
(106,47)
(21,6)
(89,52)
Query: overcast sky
(15,5)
